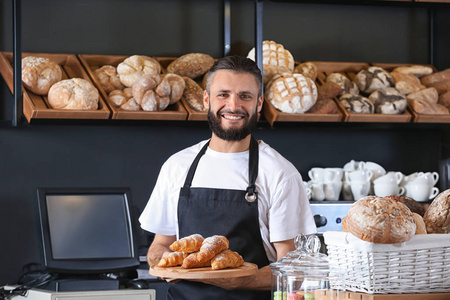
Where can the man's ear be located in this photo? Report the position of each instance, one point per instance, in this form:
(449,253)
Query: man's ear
(260,103)
(205,99)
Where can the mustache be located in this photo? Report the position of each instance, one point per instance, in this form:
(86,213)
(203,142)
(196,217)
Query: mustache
(234,112)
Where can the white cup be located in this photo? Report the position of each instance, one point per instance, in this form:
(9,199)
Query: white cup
(359,175)
(347,191)
(375,168)
(317,192)
(390,177)
(432,177)
(421,192)
(339,173)
(388,189)
(354,165)
(316,174)
(409,178)
(332,190)
(360,189)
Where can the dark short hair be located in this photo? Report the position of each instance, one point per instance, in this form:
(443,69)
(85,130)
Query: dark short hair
(238,64)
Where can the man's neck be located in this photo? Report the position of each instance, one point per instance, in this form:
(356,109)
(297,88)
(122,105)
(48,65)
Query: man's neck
(220,145)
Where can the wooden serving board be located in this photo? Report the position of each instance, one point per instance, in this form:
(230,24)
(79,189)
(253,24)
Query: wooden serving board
(203,273)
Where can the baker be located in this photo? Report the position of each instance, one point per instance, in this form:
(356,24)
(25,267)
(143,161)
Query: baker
(230,185)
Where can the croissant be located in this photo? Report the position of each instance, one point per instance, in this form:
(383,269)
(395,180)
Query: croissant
(191,262)
(212,246)
(172,259)
(188,244)
(226,259)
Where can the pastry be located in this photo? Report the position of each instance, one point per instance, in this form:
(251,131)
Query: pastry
(276,60)
(307,69)
(291,93)
(406,83)
(412,204)
(39,74)
(347,86)
(212,246)
(388,101)
(193,94)
(132,68)
(357,104)
(172,259)
(380,220)
(191,243)
(325,106)
(108,78)
(75,93)
(191,65)
(227,259)
(329,89)
(420,225)
(437,216)
(372,79)
(436,77)
(119,97)
(416,70)
(191,261)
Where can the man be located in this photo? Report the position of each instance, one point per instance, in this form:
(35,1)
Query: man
(231,185)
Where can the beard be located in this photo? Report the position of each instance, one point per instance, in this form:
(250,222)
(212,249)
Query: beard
(232,134)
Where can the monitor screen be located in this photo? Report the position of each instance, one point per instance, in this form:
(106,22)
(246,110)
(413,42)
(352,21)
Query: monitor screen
(87,230)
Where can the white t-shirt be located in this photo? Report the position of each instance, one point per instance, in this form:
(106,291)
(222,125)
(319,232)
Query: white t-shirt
(284,210)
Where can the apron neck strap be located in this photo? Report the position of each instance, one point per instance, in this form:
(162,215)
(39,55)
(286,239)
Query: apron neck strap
(252,169)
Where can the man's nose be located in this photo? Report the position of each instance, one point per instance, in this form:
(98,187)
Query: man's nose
(234,102)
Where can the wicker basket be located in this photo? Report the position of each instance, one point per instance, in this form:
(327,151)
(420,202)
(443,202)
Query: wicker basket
(420,265)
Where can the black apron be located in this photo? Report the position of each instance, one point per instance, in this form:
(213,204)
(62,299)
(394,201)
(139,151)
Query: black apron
(224,212)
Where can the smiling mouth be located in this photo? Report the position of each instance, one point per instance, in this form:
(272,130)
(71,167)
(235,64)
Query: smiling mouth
(232,117)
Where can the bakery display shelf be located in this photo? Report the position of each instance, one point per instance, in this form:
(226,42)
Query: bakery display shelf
(416,117)
(194,115)
(91,62)
(36,106)
(350,69)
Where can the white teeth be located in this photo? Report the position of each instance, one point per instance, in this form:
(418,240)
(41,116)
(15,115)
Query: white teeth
(232,117)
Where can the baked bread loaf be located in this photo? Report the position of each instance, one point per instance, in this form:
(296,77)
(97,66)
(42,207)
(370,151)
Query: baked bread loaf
(212,246)
(39,74)
(416,70)
(276,60)
(437,216)
(172,259)
(406,83)
(176,87)
(108,78)
(324,106)
(193,94)
(191,261)
(444,99)
(227,259)
(420,225)
(307,69)
(191,243)
(75,93)
(357,104)
(329,89)
(291,93)
(347,86)
(412,204)
(380,221)
(388,101)
(426,102)
(441,86)
(151,93)
(191,65)
(130,105)
(119,97)
(436,77)
(372,79)
(133,67)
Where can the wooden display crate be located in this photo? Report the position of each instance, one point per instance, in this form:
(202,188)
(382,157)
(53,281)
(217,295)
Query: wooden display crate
(350,69)
(36,106)
(416,117)
(92,62)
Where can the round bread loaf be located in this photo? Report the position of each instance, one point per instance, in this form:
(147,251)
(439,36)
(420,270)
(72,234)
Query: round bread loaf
(347,86)
(39,74)
(307,69)
(144,84)
(276,60)
(357,104)
(420,225)
(75,93)
(291,93)
(108,78)
(437,216)
(372,79)
(130,105)
(388,101)
(191,65)
(380,220)
(412,204)
(132,68)
(193,95)
(177,86)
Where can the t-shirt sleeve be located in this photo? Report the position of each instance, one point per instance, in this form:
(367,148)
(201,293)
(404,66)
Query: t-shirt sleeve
(290,212)
(160,213)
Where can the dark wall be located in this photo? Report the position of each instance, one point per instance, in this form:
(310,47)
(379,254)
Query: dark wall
(129,154)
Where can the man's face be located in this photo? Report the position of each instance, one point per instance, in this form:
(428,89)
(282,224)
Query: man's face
(232,104)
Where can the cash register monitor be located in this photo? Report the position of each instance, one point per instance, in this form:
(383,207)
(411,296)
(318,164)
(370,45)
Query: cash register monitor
(87,231)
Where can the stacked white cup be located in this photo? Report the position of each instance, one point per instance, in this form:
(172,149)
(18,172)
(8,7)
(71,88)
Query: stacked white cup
(421,185)
(389,184)
(359,181)
(325,183)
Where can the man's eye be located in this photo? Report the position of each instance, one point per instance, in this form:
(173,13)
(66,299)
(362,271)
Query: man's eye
(246,97)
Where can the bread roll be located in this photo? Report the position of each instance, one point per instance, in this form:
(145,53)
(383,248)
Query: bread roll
(357,104)
(444,99)
(291,93)
(436,77)
(380,220)
(420,225)
(329,89)
(39,74)
(193,94)
(372,79)
(441,86)
(119,97)
(406,83)
(412,204)
(75,93)
(191,65)
(437,216)
(416,70)
(108,78)
(132,68)
(324,106)
(276,60)
(388,101)
(177,86)
(130,105)
(307,69)
(347,86)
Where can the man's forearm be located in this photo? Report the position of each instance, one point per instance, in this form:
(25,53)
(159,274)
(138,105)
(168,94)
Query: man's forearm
(154,254)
